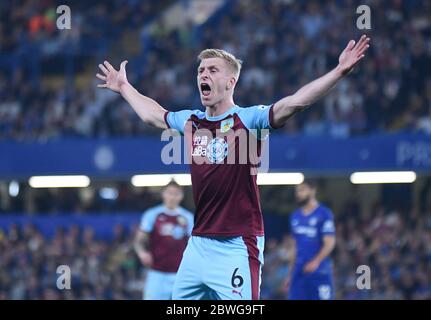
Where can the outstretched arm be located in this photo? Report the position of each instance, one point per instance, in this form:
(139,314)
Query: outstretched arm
(146,108)
(313,91)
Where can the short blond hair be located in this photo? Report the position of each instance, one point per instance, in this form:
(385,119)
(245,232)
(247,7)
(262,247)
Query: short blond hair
(233,63)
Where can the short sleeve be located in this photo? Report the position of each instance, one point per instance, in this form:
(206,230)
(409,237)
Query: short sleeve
(327,225)
(177,120)
(258,118)
(147,220)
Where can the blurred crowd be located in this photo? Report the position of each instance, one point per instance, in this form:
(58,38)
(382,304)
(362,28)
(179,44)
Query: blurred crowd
(40,66)
(283,43)
(100,269)
(396,246)
(30,27)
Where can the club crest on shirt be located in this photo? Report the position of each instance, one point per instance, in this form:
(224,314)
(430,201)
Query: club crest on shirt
(217,150)
(226,125)
(171,230)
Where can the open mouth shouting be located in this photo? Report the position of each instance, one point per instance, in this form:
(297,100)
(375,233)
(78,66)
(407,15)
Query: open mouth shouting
(205,89)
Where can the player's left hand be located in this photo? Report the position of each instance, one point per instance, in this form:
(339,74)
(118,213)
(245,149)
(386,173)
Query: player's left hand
(352,54)
(311,266)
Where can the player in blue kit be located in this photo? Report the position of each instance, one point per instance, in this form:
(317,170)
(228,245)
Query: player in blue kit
(312,227)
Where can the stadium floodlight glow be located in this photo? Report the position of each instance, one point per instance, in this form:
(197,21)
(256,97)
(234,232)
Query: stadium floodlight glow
(159,180)
(59,181)
(280,178)
(383,177)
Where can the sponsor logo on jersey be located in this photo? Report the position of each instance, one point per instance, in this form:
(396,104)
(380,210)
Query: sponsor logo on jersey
(199,146)
(200,140)
(313,221)
(178,232)
(308,231)
(226,125)
(171,230)
(166,229)
(217,150)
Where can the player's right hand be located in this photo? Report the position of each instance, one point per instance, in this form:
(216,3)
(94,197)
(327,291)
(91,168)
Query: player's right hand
(146,259)
(113,79)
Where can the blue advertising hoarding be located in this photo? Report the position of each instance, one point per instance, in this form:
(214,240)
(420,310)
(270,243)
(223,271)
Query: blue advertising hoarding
(110,158)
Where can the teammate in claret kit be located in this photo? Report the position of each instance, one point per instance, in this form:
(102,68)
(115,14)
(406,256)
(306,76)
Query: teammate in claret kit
(160,242)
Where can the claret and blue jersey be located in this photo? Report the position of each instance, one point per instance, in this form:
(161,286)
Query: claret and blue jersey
(169,231)
(221,187)
(224,256)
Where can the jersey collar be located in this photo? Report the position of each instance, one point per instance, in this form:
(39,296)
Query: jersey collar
(311,213)
(222,116)
(170,212)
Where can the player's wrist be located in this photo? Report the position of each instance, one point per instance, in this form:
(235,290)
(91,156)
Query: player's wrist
(341,71)
(124,87)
